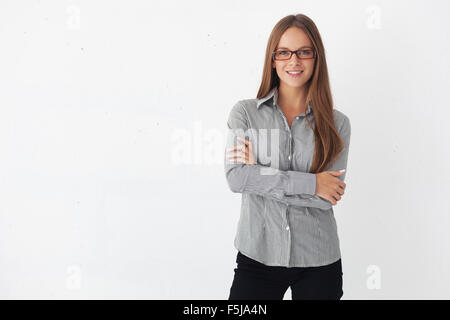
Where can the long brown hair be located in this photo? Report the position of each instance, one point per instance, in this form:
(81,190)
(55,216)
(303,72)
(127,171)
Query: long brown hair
(328,143)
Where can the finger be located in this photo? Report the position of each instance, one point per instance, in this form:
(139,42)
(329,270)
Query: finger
(234,154)
(232,160)
(336,198)
(243,151)
(238,147)
(339,190)
(236,159)
(243,157)
(338,182)
(249,145)
(332,200)
(241,160)
(336,173)
(245,141)
(238,151)
(246,156)
(239,154)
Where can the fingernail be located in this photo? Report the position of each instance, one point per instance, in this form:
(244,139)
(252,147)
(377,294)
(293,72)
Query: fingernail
(342,170)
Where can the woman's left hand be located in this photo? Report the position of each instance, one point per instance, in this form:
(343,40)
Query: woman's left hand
(242,153)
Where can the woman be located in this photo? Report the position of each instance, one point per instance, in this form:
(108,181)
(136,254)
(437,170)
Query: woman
(287,233)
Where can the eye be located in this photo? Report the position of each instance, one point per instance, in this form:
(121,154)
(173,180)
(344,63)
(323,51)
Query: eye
(282,52)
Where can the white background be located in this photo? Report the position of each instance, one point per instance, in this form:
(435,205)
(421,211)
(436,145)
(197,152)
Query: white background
(112,131)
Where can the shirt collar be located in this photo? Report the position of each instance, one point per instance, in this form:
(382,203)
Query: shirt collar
(273,94)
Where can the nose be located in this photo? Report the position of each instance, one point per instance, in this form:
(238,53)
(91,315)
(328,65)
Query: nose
(294,58)
(294,63)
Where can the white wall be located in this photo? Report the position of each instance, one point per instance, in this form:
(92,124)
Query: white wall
(98,98)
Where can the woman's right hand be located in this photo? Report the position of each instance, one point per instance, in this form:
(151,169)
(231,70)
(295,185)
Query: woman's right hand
(329,186)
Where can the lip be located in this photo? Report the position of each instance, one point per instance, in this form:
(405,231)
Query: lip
(294,75)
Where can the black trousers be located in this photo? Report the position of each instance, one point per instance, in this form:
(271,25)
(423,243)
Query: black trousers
(256,281)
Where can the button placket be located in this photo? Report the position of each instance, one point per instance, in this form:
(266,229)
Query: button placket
(290,135)
(288,240)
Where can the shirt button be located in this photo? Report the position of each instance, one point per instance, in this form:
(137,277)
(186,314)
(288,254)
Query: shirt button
(287,228)
(298,117)
(289,157)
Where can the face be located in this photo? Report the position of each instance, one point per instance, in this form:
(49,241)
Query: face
(294,38)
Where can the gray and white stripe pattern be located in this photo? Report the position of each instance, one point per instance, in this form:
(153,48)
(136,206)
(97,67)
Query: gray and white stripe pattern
(282,221)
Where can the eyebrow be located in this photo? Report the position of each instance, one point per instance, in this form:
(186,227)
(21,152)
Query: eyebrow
(297,49)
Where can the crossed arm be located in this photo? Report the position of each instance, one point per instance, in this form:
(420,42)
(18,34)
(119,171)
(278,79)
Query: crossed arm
(290,187)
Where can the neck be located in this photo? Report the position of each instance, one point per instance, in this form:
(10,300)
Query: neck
(292,98)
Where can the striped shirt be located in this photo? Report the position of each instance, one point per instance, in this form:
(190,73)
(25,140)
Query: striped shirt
(282,221)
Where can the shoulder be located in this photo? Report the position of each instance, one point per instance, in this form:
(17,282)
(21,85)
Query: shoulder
(342,123)
(241,113)
(244,107)
(341,120)
(249,105)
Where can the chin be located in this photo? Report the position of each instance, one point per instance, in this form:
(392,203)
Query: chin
(296,84)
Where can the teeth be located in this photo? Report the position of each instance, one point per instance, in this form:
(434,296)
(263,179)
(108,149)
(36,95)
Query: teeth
(294,72)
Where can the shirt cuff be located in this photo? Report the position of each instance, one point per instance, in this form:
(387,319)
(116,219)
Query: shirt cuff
(301,183)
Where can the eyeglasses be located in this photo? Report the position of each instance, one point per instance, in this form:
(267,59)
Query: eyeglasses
(304,53)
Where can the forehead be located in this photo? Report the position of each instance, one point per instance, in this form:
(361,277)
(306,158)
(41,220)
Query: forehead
(294,38)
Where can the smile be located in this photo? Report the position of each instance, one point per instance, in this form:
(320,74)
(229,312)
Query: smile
(294,74)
